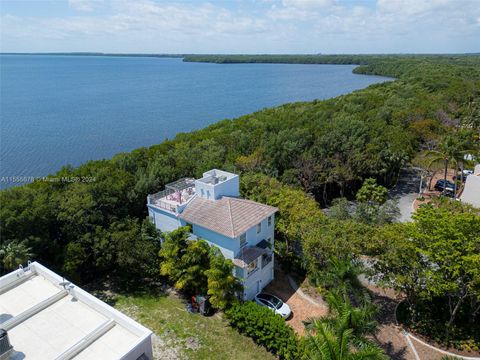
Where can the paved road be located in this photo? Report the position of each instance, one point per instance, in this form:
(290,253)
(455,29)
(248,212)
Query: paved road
(406,190)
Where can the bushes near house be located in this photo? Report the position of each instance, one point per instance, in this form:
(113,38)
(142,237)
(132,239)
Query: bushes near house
(266,328)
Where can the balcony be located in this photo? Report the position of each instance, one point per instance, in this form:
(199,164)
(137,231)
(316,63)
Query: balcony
(249,258)
(266,259)
(175,195)
(252,271)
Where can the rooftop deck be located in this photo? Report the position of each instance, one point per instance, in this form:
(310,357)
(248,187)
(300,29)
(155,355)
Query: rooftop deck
(175,194)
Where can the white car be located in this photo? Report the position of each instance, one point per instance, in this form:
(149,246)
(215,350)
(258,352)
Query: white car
(273,303)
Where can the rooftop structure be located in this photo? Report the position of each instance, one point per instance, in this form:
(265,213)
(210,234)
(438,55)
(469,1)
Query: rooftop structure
(211,186)
(217,183)
(47,317)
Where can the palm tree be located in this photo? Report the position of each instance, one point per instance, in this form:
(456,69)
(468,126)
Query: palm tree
(452,151)
(328,341)
(222,284)
(14,254)
(447,153)
(360,319)
(342,274)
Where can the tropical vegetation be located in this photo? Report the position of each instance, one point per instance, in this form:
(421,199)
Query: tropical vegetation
(266,328)
(194,267)
(434,261)
(341,153)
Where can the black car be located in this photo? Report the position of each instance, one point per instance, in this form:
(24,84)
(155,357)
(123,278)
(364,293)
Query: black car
(443,184)
(460,178)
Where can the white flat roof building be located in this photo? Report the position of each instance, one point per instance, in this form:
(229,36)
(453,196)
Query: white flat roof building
(471,191)
(47,317)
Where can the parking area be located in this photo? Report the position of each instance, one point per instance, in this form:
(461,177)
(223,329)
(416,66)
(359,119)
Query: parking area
(429,192)
(302,306)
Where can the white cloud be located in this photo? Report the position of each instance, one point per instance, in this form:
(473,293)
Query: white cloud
(272,26)
(309,4)
(84,5)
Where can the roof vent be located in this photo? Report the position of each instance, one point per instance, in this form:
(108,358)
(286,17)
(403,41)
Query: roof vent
(5,347)
(64,283)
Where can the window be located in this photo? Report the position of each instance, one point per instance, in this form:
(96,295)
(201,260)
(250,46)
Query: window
(259,228)
(270,221)
(243,240)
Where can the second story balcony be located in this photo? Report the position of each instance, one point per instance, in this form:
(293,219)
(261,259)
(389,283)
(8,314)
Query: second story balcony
(253,259)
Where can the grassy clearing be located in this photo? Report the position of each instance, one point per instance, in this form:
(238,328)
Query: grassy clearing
(185,335)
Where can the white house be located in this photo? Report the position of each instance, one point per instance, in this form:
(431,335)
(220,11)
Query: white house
(44,316)
(471,191)
(242,229)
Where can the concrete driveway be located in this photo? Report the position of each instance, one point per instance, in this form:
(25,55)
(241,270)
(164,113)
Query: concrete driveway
(406,191)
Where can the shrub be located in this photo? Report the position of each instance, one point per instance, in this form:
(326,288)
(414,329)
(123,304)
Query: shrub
(430,321)
(266,328)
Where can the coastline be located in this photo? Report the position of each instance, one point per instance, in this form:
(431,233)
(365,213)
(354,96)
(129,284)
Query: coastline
(131,145)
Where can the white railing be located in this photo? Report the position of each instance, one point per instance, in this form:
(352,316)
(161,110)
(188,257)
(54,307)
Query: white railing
(165,205)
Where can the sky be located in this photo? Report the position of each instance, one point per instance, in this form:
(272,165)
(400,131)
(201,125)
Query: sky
(240,26)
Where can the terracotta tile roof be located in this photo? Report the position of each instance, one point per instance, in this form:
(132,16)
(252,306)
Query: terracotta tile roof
(227,216)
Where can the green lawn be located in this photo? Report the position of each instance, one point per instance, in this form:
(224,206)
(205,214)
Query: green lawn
(188,335)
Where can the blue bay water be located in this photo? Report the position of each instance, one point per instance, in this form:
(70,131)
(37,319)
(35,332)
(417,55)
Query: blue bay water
(58,110)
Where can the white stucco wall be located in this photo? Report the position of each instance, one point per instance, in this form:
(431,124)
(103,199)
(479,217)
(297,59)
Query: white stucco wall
(163,221)
(471,192)
(229,187)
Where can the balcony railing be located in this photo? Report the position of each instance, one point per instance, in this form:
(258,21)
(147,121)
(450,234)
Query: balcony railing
(170,199)
(266,259)
(253,271)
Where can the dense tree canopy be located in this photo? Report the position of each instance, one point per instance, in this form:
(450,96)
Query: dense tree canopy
(325,148)
(436,260)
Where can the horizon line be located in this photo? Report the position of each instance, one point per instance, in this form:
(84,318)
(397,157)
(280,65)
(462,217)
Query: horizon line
(99,53)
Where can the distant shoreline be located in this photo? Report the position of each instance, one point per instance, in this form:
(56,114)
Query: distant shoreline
(250,56)
(361,60)
(96,54)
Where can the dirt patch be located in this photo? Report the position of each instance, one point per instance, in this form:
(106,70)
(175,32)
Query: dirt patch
(389,336)
(165,350)
(302,309)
